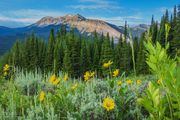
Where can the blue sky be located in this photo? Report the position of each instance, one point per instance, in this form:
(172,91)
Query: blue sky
(18,13)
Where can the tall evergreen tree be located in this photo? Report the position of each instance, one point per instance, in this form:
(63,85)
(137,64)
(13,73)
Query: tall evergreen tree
(49,63)
(41,54)
(175,44)
(161,33)
(84,58)
(106,52)
(125,31)
(67,65)
(118,53)
(141,65)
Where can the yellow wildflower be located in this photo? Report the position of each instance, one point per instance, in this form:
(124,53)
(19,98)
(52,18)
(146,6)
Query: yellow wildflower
(42,96)
(5,73)
(108,103)
(52,79)
(92,74)
(55,82)
(66,77)
(129,82)
(119,83)
(88,75)
(6,67)
(116,73)
(159,81)
(138,82)
(109,63)
(74,86)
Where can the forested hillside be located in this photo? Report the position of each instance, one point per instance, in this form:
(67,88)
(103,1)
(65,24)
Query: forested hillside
(75,54)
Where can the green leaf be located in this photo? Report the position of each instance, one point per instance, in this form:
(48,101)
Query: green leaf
(152,66)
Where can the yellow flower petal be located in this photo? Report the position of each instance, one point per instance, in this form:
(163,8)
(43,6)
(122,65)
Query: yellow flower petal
(116,73)
(108,104)
(6,67)
(88,75)
(66,77)
(52,79)
(74,86)
(108,64)
(119,83)
(138,82)
(41,96)
(129,82)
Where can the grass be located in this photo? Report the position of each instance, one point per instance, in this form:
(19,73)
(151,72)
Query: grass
(19,97)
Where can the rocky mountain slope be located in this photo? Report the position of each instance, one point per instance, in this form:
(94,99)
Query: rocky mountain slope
(81,24)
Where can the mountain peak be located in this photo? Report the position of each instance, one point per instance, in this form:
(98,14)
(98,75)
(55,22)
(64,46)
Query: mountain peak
(82,24)
(76,17)
(48,20)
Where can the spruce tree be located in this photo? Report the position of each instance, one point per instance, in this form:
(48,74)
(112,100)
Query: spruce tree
(175,44)
(141,65)
(106,51)
(49,63)
(161,33)
(118,53)
(125,31)
(41,54)
(84,58)
(67,64)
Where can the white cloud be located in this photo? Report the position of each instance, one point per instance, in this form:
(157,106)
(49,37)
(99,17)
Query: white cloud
(98,6)
(98,1)
(22,20)
(27,16)
(120,20)
(163,9)
(95,4)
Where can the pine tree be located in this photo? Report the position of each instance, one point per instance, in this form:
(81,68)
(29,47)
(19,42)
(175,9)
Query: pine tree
(57,63)
(84,58)
(118,53)
(136,46)
(16,54)
(74,49)
(161,33)
(125,31)
(41,54)
(166,17)
(49,63)
(67,65)
(106,52)
(152,24)
(126,57)
(154,32)
(175,44)
(141,65)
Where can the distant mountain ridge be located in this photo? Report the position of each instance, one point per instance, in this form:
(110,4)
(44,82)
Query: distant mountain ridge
(81,24)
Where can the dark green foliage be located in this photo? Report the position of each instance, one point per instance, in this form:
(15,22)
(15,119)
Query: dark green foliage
(118,53)
(175,43)
(154,30)
(49,61)
(141,65)
(75,54)
(126,57)
(84,58)
(106,50)
(67,66)
(161,34)
(125,31)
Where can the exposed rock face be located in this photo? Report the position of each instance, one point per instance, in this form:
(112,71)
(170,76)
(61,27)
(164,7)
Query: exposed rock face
(139,29)
(83,24)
